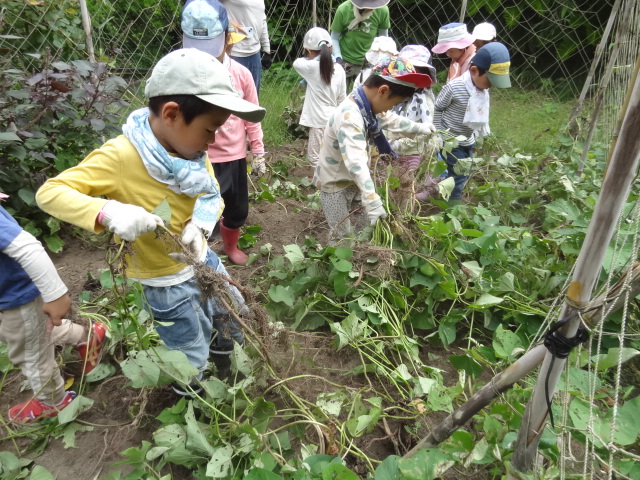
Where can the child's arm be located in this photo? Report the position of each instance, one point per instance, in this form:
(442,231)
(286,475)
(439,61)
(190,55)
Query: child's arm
(306,68)
(355,156)
(71,197)
(395,123)
(445,97)
(29,253)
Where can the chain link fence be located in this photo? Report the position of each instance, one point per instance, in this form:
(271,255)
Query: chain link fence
(553,43)
(570,48)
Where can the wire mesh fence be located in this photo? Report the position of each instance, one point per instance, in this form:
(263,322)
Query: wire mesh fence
(552,43)
(553,46)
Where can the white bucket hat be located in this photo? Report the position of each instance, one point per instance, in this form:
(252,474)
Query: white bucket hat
(381,47)
(452,35)
(484,31)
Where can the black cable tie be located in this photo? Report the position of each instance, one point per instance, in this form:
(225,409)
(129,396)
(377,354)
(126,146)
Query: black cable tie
(560,347)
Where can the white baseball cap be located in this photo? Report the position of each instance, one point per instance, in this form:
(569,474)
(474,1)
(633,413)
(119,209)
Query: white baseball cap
(190,71)
(484,31)
(315,38)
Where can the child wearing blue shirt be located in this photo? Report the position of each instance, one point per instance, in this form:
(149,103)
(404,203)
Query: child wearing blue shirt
(33,300)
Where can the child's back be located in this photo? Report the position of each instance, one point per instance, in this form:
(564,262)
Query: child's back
(450,109)
(320,99)
(326,87)
(316,68)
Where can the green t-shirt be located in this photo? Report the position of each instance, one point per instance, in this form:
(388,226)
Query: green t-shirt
(355,43)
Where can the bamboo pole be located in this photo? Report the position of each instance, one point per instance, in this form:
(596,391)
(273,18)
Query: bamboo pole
(463,10)
(615,190)
(573,124)
(623,108)
(86,23)
(314,14)
(498,384)
(598,310)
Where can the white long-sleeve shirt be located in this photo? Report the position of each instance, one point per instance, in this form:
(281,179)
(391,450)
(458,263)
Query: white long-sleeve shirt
(321,99)
(251,15)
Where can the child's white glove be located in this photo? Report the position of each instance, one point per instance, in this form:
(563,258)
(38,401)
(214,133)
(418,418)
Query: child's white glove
(258,164)
(194,241)
(376,213)
(427,129)
(128,221)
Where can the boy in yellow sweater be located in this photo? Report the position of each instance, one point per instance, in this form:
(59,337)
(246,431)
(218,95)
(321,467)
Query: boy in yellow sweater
(163,155)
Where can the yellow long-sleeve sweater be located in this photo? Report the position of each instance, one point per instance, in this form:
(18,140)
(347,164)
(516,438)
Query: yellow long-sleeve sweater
(115,171)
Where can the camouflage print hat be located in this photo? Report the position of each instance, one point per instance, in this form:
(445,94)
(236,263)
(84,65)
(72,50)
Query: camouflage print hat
(398,69)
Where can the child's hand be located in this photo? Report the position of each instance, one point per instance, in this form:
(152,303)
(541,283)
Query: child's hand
(194,241)
(258,164)
(427,129)
(127,221)
(56,310)
(375,214)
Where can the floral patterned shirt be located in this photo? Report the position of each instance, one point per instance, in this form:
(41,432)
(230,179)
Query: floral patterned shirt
(345,153)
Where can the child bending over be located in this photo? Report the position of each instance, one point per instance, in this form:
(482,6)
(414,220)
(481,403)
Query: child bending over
(342,174)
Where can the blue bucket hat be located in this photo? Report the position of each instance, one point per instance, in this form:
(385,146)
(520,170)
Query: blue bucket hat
(204,23)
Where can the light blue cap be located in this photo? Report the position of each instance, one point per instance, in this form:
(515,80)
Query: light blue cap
(204,23)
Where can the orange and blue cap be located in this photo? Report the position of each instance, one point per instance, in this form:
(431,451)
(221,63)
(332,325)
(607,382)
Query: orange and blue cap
(495,60)
(398,69)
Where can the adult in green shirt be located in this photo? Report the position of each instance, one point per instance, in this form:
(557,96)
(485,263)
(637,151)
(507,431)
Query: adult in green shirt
(355,25)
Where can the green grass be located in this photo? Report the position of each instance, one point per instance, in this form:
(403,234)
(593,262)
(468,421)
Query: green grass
(278,91)
(520,119)
(527,120)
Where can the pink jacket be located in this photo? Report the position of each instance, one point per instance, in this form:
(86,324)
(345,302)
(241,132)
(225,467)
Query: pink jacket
(231,138)
(456,69)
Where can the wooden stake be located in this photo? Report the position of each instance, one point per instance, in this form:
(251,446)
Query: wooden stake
(86,23)
(598,310)
(615,190)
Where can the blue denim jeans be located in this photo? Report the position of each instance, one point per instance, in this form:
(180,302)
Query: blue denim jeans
(192,319)
(460,178)
(254,64)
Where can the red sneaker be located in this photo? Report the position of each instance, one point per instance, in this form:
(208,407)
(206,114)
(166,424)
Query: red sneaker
(34,409)
(91,351)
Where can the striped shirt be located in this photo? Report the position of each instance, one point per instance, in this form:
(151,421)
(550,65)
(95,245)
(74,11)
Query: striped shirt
(450,108)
